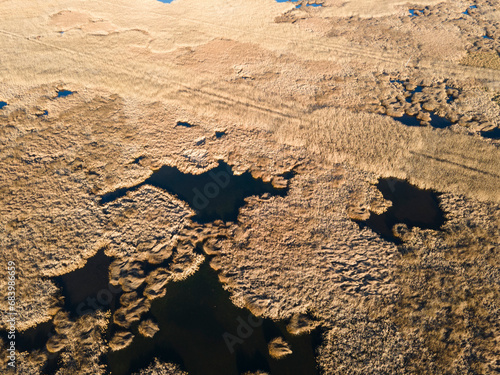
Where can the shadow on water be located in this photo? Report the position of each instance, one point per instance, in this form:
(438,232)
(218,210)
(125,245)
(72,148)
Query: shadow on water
(410,205)
(87,289)
(216,194)
(206,334)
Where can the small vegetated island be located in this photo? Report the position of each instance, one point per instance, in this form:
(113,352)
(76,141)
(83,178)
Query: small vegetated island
(280,187)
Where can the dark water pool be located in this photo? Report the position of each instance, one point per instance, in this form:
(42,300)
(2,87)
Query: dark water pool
(87,289)
(410,205)
(64,93)
(2,104)
(216,194)
(436,121)
(439,122)
(201,330)
(35,338)
(492,134)
(408,120)
(184,124)
(467,10)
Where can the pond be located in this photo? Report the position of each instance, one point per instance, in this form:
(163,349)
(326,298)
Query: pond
(87,289)
(408,120)
(492,134)
(2,104)
(201,330)
(436,121)
(467,10)
(64,93)
(410,205)
(35,338)
(216,194)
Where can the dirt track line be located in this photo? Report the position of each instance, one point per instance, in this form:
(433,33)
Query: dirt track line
(169,80)
(455,163)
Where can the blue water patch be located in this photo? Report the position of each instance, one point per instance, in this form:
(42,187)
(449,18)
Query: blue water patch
(165,1)
(467,11)
(2,104)
(45,113)
(487,37)
(64,93)
(413,13)
(314,5)
(298,6)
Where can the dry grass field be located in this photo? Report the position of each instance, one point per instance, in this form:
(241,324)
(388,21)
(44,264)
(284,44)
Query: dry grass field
(268,88)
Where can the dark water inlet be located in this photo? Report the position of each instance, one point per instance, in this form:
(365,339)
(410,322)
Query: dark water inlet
(201,330)
(2,104)
(216,194)
(35,338)
(410,205)
(467,10)
(439,122)
(492,134)
(87,289)
(408,120)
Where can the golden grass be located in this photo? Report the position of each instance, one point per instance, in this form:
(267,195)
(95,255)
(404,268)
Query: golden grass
(489,60)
